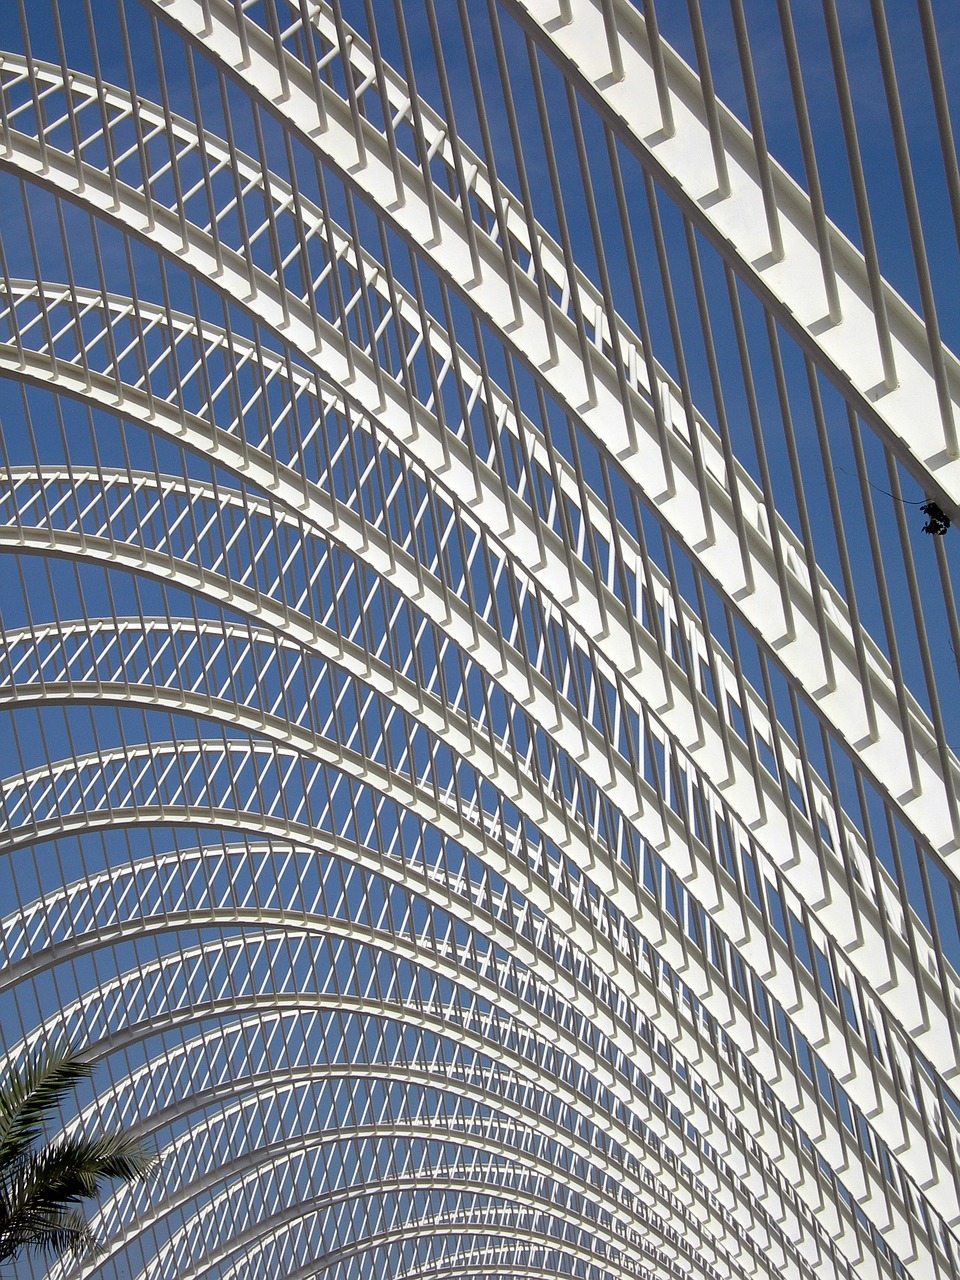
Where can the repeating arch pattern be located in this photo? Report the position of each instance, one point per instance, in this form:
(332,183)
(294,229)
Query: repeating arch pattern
(481,775)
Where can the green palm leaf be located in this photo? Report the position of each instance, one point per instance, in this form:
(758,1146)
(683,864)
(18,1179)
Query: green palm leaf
(49,1233)
(30,1096)
(43,1187)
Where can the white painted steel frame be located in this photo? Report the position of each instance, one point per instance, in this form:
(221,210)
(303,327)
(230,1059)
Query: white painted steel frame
(350,598)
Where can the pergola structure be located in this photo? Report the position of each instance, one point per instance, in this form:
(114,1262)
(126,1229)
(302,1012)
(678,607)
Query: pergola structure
(479,657)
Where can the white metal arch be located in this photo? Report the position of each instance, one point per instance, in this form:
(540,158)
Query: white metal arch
(593,395)
(790,831)
(406,1131)
(168,917)
(723,1074)
(493,1258)
(512,525)
(714,1179)
(472,1266)
(238,1179)
(429,1231)
(817,1104)
(897,1132)
(625,1179)
(935,1038)
(870,960)
(819,634)
(773,826)
(768,225)
(416,1014)
(704,726)
(389,616)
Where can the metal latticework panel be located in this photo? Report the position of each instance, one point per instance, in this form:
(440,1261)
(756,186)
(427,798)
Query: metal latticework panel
(479,637)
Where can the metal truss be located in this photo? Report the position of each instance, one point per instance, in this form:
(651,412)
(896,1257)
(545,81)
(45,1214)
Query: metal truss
(481,779)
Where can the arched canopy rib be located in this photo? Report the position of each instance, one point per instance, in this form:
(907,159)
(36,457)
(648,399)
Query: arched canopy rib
(846,929)
(461,1064)
(247,1179)
(665,935)
(593,396)
(471,1146)
(489,1036)
(884,365)
(214,266)
(427,1232)
(840,899)
(452,806)
(821,879)
(661,931)
(207,810)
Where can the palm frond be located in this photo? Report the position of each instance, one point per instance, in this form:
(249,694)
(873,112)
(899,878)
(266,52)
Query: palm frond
(41,1189)
(76,1167)
(29,1095)
(120,1156)
(51,1233)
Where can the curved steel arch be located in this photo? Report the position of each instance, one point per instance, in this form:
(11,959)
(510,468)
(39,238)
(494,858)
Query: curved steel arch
(862,690)
(369,1007)
(647,1111)
(893,365)
(932,1037)
(397,1185)
(715,1180)
(511,523)
(104,692)
(722,1071)
(485,1261)
(441,1127)
(840,926)
(589,1154)
(897,1137)
(646,898)
(468,1267)
(634,652)
(101,691)
(591,392)
(430,1230)
(368,1070)
(860,940)
(773,823)
(407,1130)
(169,919)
